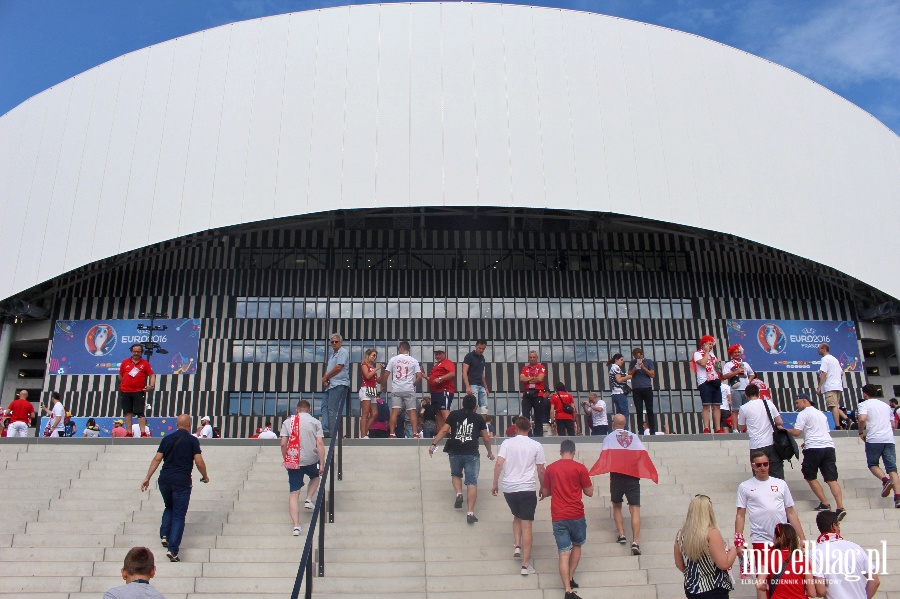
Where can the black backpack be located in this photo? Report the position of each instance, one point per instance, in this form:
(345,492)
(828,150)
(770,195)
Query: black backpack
(785,445)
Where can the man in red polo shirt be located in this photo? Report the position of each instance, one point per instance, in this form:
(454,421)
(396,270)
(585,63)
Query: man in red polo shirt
(20,414)
(442,385)
(532,377)
(135,379)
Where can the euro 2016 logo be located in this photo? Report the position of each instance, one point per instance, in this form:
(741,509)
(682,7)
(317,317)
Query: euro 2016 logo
(771,338)
(100,340)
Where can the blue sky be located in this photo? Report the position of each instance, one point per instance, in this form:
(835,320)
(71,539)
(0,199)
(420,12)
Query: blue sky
(850,46)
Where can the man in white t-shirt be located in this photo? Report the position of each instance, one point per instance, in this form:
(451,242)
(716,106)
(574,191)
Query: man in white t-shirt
(766,501)
(831,383)
(754,420)
(876,428)
(267,433)
(818,453)
(205,430)
(595,407)
(57,423)
(406,374)
(312,459)
(841,569)
(518,459)
(737,374)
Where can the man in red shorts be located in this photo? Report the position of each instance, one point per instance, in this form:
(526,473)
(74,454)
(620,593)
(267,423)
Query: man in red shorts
(135,379)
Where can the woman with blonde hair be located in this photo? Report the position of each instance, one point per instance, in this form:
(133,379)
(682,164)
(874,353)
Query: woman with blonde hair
(702,555)
(368,392)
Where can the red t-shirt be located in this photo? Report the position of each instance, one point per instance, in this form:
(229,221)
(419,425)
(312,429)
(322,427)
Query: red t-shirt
(536,370)
(20,410)
(557,400)
(136,383)
(119,431)
(366,369)
(565,480)
(790,585)
(442,368)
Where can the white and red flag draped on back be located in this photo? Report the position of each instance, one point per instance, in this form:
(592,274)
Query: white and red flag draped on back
(623,452)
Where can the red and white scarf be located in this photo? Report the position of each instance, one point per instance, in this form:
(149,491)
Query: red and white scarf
(292,455)
(711,374)
(827,537)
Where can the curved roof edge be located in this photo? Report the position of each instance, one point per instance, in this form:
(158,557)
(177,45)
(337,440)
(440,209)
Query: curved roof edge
(442,104)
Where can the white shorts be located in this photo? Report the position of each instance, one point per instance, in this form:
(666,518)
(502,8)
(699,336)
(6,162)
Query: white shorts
(363,396)
(405,400)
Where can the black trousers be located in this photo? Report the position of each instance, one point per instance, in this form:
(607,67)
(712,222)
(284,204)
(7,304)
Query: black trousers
(644,397)
(531,402)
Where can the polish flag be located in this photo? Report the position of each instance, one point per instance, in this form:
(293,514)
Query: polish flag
(623,452)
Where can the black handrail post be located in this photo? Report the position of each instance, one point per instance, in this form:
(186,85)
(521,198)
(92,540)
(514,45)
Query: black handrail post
(340,460)
(309,577)
(322,547)
(331,485)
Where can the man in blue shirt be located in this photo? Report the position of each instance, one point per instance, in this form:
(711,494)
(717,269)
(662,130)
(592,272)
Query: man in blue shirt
(643,371)
(336,382)
(180,451)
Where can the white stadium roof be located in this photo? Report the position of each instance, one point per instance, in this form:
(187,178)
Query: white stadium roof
(435,104)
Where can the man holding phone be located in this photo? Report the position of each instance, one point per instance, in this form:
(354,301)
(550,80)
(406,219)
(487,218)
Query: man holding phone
(643,371)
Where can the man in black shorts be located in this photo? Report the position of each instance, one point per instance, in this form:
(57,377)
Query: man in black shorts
(518,459)
(818,453)
(628,487)
(136,377)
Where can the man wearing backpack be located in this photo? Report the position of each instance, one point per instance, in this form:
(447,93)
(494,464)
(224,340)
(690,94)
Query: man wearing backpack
(756,419)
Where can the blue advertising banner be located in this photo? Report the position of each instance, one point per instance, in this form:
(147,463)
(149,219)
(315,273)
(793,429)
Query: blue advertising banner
(100,346)
(159,427)
(793,345)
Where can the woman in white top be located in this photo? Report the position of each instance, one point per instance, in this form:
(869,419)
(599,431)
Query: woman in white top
(596,408)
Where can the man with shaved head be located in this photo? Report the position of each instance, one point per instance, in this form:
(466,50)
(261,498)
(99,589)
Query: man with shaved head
(179,451)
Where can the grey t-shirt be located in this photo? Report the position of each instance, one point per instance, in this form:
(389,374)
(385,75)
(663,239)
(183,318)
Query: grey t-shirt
(310,430)
(640,379)
(133,590)
(342,357)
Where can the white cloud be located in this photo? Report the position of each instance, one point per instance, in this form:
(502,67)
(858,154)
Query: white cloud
(840,43)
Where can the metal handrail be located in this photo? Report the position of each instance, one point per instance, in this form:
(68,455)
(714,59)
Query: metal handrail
(305,569)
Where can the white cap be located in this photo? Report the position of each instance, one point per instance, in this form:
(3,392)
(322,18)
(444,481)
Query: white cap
(206,418)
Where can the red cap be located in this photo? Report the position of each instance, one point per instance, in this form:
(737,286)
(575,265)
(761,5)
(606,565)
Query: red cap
(707,339)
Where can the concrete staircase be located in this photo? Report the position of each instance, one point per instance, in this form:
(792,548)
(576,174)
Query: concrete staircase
(72,508)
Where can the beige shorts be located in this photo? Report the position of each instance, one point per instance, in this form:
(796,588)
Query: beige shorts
(832,399)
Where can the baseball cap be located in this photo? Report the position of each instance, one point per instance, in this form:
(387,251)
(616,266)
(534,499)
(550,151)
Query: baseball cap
(804,396)
(439,350)
(118,422)
(205,418)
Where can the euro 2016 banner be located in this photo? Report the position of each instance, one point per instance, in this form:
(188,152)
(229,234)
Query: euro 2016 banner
(100,346)
(792,345)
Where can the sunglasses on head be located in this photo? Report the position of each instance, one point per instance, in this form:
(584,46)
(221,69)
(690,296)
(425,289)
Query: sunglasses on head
(761,464)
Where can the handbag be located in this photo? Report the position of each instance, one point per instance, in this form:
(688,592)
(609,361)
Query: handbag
(784,445)
(626,388)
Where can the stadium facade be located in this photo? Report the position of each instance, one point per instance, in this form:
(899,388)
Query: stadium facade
(552,180)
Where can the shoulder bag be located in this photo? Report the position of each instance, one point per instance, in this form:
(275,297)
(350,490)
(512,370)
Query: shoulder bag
(785,446)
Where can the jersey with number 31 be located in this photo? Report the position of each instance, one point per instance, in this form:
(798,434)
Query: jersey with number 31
(403,369)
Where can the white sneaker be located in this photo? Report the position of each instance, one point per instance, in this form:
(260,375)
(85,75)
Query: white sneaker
(484,410)
(308,504)
(526,570)
(517,552)
(296,531)
(418,436)
(366,437)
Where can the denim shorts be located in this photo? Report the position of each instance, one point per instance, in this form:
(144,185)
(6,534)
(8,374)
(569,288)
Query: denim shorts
(480,394)
(568,533)
(470,465)
(295,477)
(884,451)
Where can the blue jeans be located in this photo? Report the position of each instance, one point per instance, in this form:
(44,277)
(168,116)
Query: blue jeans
(468,464)
(568,533)
(333,396)
(620,402)
(480,394)
(176,500)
